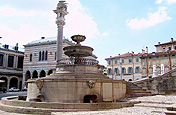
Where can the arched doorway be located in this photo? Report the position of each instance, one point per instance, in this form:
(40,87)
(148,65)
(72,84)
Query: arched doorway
(50,72)
(5,83)
(90,99)
(14,82)
(28,75)
(42,73)
(35,74)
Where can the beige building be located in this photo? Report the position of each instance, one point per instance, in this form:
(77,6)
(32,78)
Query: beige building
(126,66)
(40,57)
(164,59)
(11,66)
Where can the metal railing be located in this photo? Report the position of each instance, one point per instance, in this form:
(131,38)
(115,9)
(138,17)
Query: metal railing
(77,61)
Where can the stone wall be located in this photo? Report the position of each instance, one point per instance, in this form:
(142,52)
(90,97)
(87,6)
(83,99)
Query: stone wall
(160,85)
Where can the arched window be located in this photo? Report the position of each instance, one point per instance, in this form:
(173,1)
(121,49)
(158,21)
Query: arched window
(46,55)
(42,73)
(28,75)
(50,72)
(30,58)
(130,70)
(40,56)
(43,55)
(35,74)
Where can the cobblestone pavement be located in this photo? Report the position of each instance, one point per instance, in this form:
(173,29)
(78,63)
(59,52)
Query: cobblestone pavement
(136,110)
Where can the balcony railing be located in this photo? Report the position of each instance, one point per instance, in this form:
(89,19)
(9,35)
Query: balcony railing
(77,61)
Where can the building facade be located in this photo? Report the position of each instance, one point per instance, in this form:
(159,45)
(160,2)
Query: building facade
(164,59)
(11,66)
(40,57)
(126,66)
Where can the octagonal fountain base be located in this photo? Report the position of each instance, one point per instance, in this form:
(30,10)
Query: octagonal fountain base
(12,104)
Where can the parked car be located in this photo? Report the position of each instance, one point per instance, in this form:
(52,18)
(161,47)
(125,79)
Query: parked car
(14,89)
(24,89)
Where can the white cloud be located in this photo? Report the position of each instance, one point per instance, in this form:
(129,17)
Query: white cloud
(151,20)
(42,23)
(104,34)
(78,21)
(10,12)
(171,1)
(159,1)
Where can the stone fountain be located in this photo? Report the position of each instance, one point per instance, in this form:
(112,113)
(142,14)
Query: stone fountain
(76,85)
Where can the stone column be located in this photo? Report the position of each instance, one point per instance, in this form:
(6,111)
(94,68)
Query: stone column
(61,11)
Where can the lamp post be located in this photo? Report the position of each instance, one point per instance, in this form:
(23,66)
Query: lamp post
(121,68)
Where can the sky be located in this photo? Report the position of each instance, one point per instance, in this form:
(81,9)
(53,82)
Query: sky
(111,27)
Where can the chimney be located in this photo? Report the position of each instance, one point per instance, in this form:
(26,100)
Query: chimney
(119,54)
(147,50)
(0,37)
(42,38)
(143,51)
(172,40)
(16,47)
(6,46)
(132,52)
(158,43)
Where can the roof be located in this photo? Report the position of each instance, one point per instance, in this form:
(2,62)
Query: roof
(43,41)
(11,48)
(124,55)
(171,42)
(159,53)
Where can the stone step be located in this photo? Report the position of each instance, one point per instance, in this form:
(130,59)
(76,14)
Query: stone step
(170,112)
(40,111)
(141,94)
(152,105)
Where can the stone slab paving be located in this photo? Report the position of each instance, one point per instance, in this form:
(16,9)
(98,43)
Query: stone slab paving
(156,105)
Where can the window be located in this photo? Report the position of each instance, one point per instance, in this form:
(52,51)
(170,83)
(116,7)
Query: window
(109,71)
(137,70)
(123,61)
(165,55)
(10,61)
(46,55)
(169,48)
(150,57)
(20,62)
(30,58)
(164,49)
(150,70)
(109,62)
(130,70)
(55,56)
(40,55)
(157,56)
(137,59)
(123,70)
(43,55)
(130,60)
(116,71)
(1,59)
(115,61)
(175,47)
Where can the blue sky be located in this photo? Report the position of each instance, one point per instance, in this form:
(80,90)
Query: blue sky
(112,27)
